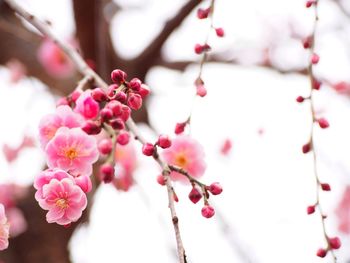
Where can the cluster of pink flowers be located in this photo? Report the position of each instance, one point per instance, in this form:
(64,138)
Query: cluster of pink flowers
(69,139)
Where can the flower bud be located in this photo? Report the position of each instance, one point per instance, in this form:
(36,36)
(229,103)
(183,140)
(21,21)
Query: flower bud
(180,127)
(117,124)
(148,149)
(323,123)
(208,211)
(325,187)
(106,173)
(118,76)
(106,114)
(135,84)
(215,188)
(98,95)
(134,101)
(164,141)
(105,146)
(91,128)
(334,242)
(220,32)
(123,138)
(144,90)
(321,253)
(195,195)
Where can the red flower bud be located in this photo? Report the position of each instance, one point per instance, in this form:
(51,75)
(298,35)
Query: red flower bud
(123,138)
(219,32)
(215,188)
(310,209)
(180,127)
(300,99)
(208,211)
(144,90)
(325,187)
(134,101)
(195,195)
(91,128)
(118,76)
(106,114)
(334,242)
(321,253)
(306,148)
(203,13)
(117,124)
(148,149)
(98,95)
(135,84)
(164,141)
(323,123)
(315,58)
(105,146)
(161,179)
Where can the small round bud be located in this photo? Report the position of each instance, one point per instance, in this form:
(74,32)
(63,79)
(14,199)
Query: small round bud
(91,128)
(126,111)
(98,95)
(198,49)
(321,253)
(309,3)
(135,84)
(307,42)
(306,148)
(106,114)
(323,123)
(118,76)
(220,32)
(316,84)
(76,94)
(201,90)
(164,141)
(315,58)
(208,211)
(134,101)
(310,209)
(144,90)
(120,96)
(195,195)
(325,187)
(203,13)
(106,173)
(123,138)
(116,107)
(176,198)
(215,188)
(300,99)
(148,149)
(161,179)
(105,146)
(62,101)
(180,127)
(334,242)
(117,124)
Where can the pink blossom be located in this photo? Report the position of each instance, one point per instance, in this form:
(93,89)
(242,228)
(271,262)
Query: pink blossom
(4,229)
(17,70)
(17,221)
(64,200)
(53,59)
(87,106)
(187,153)
(343,212)
(72,150)
(63,117)
(226,147)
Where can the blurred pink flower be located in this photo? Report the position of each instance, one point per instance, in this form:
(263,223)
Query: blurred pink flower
(343,212)
(226,147)
(17,221)
(187,153)
(53,59)
(17,70)
(64,200)
(11,153)
(72,150)
(87,106)
(63,117)
(4,229)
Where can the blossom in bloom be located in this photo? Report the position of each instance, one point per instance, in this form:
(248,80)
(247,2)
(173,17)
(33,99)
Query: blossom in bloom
(64,200)
(87,106)
(63,117)
(53,59)
(186,153)
(73,151)
(4,229)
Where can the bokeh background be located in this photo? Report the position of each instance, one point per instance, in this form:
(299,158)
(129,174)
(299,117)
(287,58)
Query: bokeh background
(253,76)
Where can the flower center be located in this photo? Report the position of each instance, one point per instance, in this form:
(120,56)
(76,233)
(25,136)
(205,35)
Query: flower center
(71,153)
(181,160)
(62,203)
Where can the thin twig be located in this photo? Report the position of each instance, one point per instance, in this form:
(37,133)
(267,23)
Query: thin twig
(86,71)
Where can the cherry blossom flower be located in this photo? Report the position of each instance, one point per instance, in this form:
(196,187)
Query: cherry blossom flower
(4,229)
(63,117)
(72,150)
(64,200)
(87,106)
(185,152)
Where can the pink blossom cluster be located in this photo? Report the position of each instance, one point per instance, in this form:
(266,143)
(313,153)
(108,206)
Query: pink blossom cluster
(73,140)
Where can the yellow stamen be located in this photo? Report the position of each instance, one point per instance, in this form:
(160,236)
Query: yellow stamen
(62,203)
(71,153)
(181,160)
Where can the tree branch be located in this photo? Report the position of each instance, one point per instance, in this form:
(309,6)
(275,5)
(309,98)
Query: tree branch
(85,70)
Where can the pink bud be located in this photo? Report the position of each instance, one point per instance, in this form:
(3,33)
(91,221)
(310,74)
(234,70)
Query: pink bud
(323,123)
(215,188)
(306,148)
(106,173)
(135,84)
(334,242)
(164,141)
(219,32)
(180,127)
(195,195)
(98,95)
(134,101)
(116,107)
(300,99)
(325,187)
(118,76)
(76,94)
(161,179)
(315,58)
(144,90)
(321,253)
(117,124)
(208,211)
(307,42)
(123,138)
(198,49)
(106,114)
(203,13)
(309,3)
(112,90)
(316,84)
(126,111)
(105,146)
(176,198)
(310,209)
(201,90)
(120,96)
(91,128)
(148,149)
